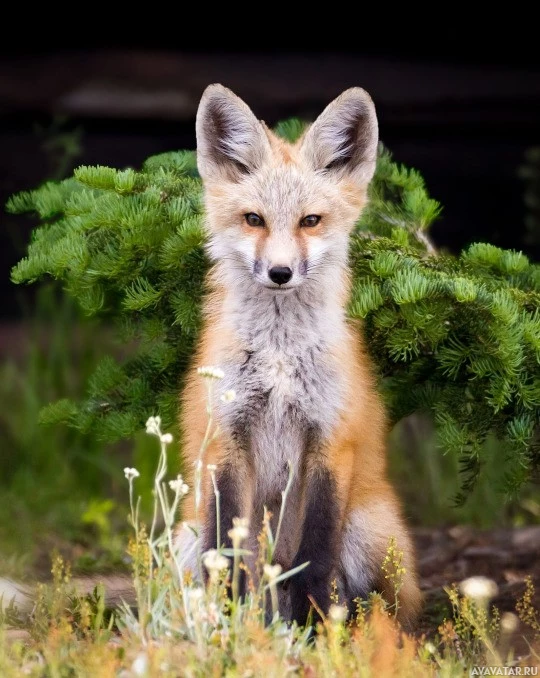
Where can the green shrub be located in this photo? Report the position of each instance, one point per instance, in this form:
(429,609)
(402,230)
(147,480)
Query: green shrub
(456,336)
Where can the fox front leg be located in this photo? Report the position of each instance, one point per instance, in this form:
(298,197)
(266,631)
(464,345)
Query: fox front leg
(233,499)
(318,546)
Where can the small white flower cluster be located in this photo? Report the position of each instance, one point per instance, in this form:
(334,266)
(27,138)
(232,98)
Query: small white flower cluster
(338,613)
(179,486)
(215,563)
(228,396)
(479,588)
(131,473)
(207,613)
(195,596)
(211,372)
(153,428)
(140,665)
(272,572)
(509,622)
(240,530)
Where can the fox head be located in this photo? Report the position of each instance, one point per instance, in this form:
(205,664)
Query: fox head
(279,215)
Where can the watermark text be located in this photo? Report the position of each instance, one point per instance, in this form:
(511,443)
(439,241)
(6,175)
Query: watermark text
(504,671)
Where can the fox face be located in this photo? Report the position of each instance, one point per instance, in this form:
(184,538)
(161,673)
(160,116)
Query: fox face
(279,215)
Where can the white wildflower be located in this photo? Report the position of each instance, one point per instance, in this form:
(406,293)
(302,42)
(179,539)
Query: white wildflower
(153,426)
(337,613)
(479,588)
(509,622)
(131,473)
(272,572)
(228,396)
(140,665)
(195,595)
(429,647)
(178,485)
(211,467)
(240,530)
(211,372)
(215,563)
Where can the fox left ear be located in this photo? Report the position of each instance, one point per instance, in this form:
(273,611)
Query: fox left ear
(344,138)
(231,142)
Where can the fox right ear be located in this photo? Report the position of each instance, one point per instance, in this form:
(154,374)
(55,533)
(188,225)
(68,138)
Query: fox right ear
(343,140)
(231,142)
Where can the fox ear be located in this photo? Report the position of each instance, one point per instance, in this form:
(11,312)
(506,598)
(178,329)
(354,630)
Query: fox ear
(231,142)
(344,137)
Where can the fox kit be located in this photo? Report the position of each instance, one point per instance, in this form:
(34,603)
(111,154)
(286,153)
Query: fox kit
(278,218)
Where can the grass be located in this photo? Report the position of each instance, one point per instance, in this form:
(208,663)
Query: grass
(215,638)
(184,629)
(429,483)
(59,487)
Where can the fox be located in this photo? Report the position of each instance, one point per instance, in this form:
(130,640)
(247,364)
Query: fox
(278,218)
(306,410)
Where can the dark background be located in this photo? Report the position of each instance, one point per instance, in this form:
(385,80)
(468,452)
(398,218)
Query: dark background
(459,112)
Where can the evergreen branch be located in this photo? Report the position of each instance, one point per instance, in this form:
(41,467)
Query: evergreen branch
(456,336)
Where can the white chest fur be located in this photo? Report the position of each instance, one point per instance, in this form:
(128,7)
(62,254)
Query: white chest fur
(288,387)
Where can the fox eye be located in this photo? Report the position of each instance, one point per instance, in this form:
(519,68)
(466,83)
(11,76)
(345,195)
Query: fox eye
(254,220)
(310,221)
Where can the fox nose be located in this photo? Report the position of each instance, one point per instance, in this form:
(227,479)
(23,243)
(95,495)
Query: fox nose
(280,274)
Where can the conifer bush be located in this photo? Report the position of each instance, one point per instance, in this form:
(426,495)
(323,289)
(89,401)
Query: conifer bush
(456,336)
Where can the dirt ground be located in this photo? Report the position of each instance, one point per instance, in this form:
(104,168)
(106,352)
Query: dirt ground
(452,554)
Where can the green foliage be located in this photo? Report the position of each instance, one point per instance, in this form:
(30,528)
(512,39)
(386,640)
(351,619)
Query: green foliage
(290,130)
(49,478)
(455,336)
(126,245)
(415,462)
